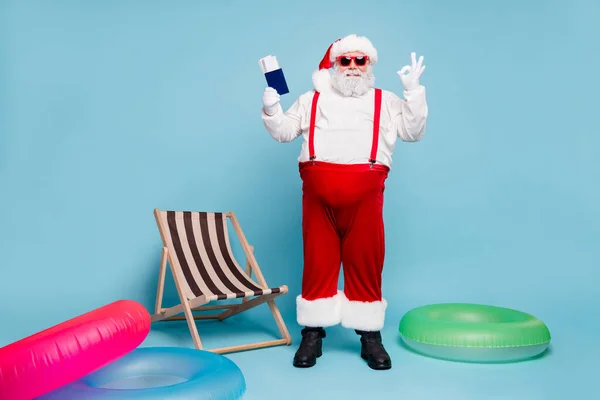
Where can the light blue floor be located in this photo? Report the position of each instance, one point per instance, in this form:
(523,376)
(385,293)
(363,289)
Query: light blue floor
(569,370)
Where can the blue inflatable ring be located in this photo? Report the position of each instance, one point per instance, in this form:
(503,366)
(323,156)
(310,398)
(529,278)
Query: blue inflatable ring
(159,373)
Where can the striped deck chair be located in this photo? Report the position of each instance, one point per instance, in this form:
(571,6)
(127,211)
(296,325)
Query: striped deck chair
(197,248)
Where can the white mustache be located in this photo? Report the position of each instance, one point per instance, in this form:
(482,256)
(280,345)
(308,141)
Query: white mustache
(353,71)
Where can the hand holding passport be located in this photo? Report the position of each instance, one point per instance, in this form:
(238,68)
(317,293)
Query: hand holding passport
(273,74)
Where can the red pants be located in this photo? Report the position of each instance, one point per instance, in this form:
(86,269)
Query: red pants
(342,224)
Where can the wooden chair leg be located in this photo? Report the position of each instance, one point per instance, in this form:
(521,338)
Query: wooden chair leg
(249,346)
(192,326)
(270,299)
(161,281)
(187,311)
(280,323)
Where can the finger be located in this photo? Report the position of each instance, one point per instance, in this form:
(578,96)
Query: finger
(420,62)
(405,69)
(413,58)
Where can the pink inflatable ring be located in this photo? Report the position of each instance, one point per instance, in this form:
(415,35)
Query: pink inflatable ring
(59,355)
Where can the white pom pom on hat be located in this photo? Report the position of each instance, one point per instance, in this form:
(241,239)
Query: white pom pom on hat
(321,78)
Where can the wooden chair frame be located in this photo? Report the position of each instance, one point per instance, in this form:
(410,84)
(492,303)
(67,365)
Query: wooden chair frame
(198,304)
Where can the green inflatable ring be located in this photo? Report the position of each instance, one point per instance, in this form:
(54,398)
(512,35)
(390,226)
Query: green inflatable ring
(473,333)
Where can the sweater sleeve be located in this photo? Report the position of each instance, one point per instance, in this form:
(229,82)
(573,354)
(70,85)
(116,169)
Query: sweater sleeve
(409,116)
(286,126)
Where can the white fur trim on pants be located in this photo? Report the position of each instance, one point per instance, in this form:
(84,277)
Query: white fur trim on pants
(320,312)
(363,316)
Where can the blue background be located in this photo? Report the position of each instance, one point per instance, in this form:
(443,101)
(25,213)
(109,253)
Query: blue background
(109,109)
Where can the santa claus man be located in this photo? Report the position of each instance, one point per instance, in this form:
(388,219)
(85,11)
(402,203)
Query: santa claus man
(349,129)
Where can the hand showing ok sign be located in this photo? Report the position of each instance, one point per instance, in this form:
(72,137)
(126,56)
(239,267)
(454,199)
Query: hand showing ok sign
(410,74)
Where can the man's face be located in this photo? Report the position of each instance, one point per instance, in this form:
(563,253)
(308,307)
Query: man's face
(352,74)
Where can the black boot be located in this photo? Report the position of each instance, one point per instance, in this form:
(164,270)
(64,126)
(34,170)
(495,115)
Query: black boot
(310,347)
(373,351)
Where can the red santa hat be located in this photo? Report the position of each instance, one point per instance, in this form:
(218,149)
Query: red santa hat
(322,78)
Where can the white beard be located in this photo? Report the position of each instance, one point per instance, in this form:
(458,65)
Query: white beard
(348,85)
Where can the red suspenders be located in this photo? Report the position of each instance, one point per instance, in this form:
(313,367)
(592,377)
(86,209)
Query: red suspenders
(313,115)
(376,126)
(311,134)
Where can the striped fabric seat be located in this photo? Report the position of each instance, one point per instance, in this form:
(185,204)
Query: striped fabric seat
(197,249)
(203,251)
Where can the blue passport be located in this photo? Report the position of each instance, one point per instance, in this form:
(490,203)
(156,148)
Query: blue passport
(273,74)
(276,80)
